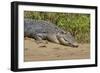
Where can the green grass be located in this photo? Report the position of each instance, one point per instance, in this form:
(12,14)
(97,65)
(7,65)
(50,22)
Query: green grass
(76,23)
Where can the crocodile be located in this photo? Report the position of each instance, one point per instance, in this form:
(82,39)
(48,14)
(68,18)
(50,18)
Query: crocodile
(45,30)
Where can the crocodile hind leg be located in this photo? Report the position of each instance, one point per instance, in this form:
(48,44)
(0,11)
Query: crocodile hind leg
(38,39)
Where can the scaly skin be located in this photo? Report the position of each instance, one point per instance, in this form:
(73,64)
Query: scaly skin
(44,30)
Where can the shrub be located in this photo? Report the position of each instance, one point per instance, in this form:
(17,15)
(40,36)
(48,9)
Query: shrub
(77,24)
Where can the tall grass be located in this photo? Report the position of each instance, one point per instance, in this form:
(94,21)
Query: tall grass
(77,24)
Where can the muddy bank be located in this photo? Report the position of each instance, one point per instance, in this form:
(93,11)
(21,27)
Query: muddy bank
(44,51)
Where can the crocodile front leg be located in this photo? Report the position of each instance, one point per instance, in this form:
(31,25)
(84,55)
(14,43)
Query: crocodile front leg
(52,38)
(63,42)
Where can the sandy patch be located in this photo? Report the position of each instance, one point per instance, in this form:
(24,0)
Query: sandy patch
(44,51)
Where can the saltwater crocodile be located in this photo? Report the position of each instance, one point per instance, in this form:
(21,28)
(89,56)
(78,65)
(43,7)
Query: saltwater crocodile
(45,30)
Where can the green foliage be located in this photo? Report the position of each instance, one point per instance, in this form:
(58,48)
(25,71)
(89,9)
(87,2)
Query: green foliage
(76,23)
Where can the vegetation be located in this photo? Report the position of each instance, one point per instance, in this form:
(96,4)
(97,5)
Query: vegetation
(76,23)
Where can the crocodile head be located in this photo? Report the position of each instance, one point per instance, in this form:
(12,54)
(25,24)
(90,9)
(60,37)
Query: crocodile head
(70,39)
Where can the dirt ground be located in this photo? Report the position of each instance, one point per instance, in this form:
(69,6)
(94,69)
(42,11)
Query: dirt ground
(44,51)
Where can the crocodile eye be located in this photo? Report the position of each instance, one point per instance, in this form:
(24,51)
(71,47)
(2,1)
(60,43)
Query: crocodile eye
(63,32)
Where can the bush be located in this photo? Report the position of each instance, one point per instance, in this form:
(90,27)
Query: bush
(76,23)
